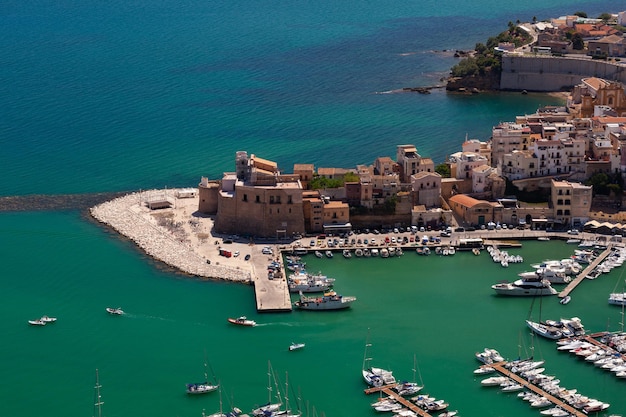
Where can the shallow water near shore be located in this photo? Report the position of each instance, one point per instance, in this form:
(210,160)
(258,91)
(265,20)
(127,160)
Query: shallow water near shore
(440,309)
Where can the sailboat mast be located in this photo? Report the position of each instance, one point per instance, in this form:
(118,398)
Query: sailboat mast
(367,344)
(269,382)
(98,400)
(286,390)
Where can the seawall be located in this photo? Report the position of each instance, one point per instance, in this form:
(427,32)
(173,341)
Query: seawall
(547,73)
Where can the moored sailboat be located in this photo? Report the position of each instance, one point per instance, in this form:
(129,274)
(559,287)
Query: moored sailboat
(203,387)
(270,407)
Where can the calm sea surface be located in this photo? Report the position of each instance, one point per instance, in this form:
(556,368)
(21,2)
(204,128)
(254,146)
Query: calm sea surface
(127,95)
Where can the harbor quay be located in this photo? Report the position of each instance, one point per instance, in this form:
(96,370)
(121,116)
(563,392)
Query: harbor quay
(184,239)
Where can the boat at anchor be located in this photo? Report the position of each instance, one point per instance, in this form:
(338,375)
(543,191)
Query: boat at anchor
(329,301)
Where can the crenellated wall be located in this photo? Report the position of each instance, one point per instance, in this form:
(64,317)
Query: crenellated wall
(547,73)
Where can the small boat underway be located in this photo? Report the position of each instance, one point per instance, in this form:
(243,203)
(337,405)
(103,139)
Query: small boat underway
(115,311)
(329,301)
(296,346)
(47,319)
(37,322)
(242,321)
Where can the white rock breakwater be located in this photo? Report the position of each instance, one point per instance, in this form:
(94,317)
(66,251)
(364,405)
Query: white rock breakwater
(129,217)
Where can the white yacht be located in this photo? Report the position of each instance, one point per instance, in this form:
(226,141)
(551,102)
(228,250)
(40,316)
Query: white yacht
(552,274)
(525,287)
(618,299)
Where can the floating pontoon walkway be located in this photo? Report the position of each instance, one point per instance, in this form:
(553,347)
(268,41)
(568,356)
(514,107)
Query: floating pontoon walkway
(499,366)
(570,287)
(387,389)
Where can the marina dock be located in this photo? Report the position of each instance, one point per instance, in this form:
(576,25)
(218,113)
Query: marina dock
(570,287)
(499,367)
(271,295)
(387,389)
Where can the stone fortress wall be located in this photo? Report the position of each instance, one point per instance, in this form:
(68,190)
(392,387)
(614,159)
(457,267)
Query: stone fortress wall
(547,73)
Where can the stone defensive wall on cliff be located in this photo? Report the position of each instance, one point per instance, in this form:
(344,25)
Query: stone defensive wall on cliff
(547,73)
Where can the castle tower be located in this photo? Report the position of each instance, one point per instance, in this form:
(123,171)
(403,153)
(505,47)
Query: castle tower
(207,196)
(242,163)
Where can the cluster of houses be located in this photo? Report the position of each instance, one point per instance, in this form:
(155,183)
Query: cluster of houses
(554,151)
(600,37)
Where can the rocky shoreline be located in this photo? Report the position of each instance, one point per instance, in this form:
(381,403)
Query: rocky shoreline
(178,247)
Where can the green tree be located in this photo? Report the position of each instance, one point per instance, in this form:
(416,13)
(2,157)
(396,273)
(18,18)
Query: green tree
(443,170)
(319,182)
(599,181)
(605,16)
(350,177)
(581,14)
(577,42)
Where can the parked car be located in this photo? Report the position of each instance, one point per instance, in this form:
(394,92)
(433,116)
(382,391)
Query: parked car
(572,232)
(267,250)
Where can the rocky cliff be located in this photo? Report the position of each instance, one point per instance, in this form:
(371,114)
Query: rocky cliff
(487,82)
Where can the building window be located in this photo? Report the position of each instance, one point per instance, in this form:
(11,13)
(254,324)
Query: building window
(559,202)
(559,212)
(271,199)
(289,200)
(567,212)
(245,197)
(568,202)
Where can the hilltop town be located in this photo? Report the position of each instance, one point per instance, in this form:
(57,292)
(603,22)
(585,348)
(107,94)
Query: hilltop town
(549,55)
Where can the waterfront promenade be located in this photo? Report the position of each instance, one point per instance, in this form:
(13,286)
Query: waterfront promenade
(184,239)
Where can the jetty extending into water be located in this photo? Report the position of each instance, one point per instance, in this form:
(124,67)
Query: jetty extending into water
(580,277)
(387,389)
(500,367)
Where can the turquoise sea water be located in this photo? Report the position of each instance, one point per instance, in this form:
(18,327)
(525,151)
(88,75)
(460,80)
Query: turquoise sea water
(129,95)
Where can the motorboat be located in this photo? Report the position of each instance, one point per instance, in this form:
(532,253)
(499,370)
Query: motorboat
(47,319)
(555,276)
(526,287)
(388,406)
(329,253)
(37,322)
(408,388)
(618,299)
(575,325)
(548,332)
(484,370)
(115,311)
(493,381)
(347,254)
(305,282)
(565,300)
(319,254)
(296,346)
(329,301)
(489,356)
(242,321)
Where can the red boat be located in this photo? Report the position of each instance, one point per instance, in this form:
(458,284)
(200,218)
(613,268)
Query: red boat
(242,321)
